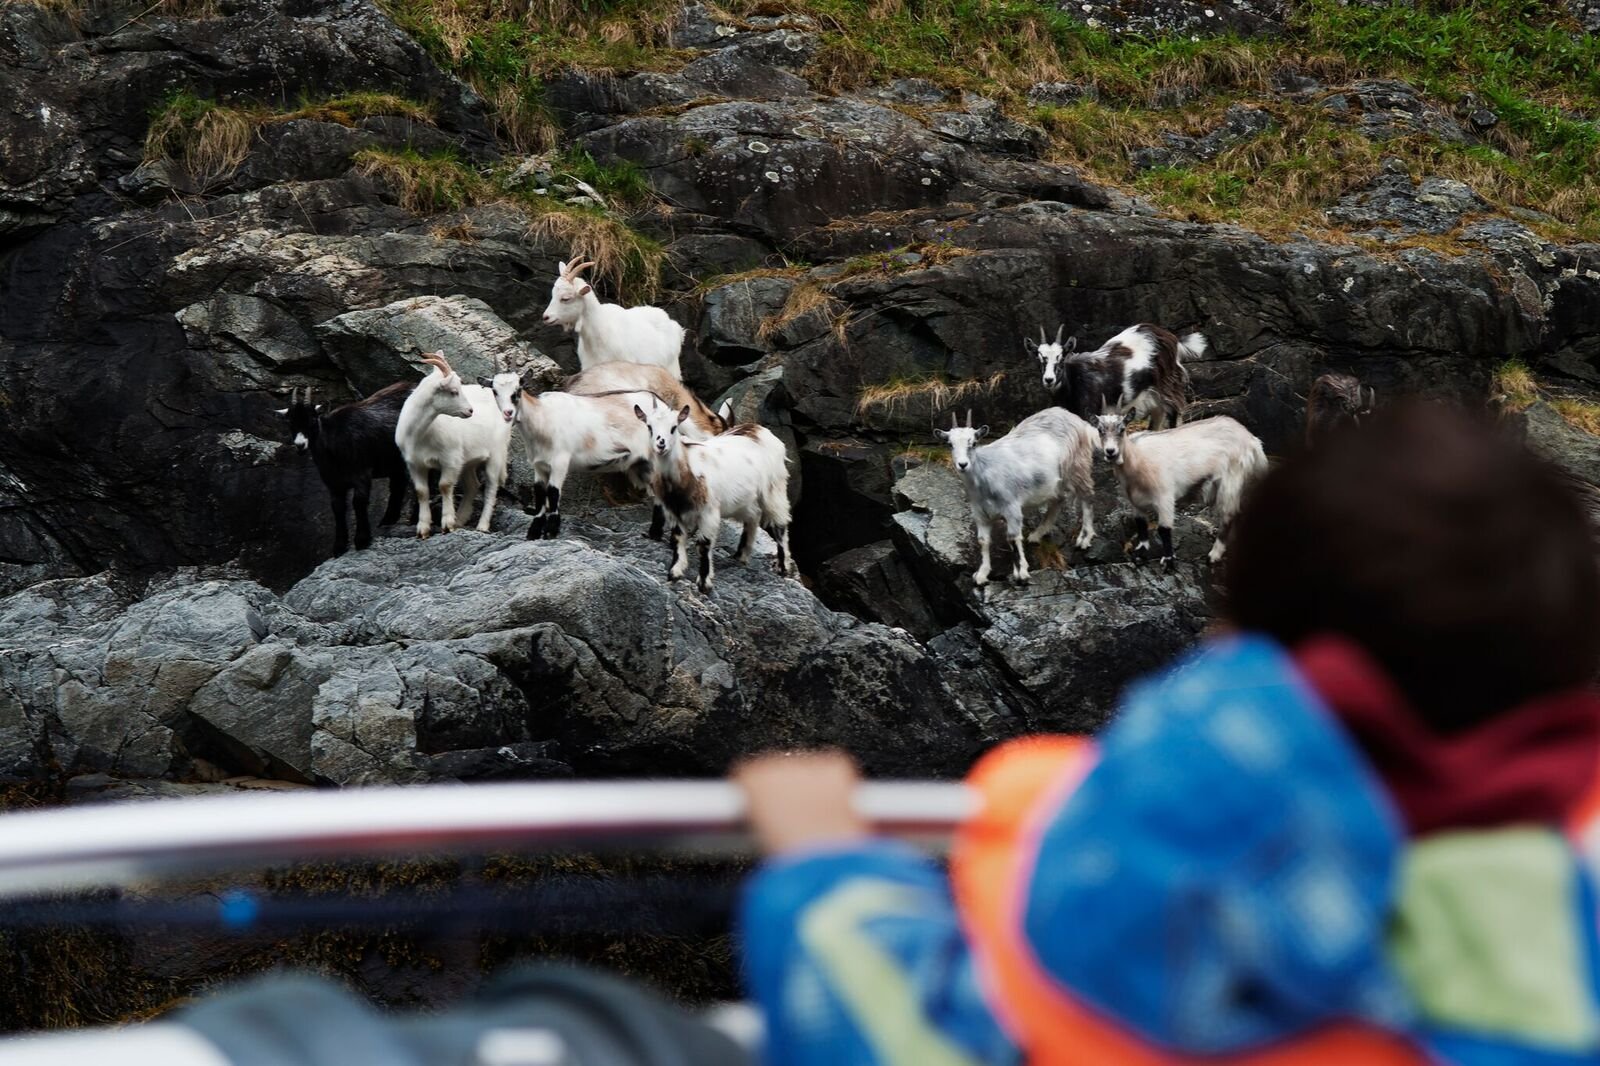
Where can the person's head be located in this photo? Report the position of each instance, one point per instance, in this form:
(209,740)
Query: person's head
(1459,560)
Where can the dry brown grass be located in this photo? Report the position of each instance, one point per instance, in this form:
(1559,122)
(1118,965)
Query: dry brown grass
(461,230)
(897,396)
(805,298)
(209,146)
(619,254)
(1513,386)
(209,141)
(1579,414)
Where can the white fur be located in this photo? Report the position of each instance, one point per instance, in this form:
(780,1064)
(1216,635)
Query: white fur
(1158,468)
(561,432)
(1047,459)
(642,377)
(454,429)
(745,478)
(610,332)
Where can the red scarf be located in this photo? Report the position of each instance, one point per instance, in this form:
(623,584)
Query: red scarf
(1534,764)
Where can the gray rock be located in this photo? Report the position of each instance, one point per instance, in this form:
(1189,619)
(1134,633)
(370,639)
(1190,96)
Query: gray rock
(250,327)
(1587,12)
(386,344)
(1072,638)
(383,663)
(1562,443)
(1239,123)
(1435,205)
(914,92)
(1390,109)
(875,582)
(1061,93)
(731,325)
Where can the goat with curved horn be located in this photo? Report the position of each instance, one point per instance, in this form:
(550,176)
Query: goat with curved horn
(611,333)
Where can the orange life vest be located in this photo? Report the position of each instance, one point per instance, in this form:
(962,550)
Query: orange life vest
(1023,783)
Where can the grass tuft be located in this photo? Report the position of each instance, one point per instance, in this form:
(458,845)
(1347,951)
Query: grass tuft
(1513,385)
(423,184)
(803,299)
(209,141)
(1579,414)
(896,396)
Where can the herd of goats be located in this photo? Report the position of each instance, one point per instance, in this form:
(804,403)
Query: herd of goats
(627,411)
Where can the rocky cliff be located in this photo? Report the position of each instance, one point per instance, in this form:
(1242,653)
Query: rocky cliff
(202,206)
(858,212)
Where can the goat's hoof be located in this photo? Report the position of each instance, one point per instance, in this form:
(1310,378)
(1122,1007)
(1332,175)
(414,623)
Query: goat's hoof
(1167,564)
(536,529)
(553,529)
(706,588)
(1020,579)
(424,536)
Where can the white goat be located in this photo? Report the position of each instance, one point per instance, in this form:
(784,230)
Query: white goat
(562,432)
(742,475)
(452,428)
(1216,457)
(611,379)
(609,333)
(1048,458)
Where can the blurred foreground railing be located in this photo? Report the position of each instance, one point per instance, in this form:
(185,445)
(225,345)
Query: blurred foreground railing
(122,844)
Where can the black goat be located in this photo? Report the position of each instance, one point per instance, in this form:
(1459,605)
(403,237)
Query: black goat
(1138,373)
(1337,400)
(351,445)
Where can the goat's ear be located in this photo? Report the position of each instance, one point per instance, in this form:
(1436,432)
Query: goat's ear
(1071,345)
(638,412)
(586,290)
(487,383)
(980,433)
(725,412)
(561,267)
(1030,345)
(942,434)
(683,415)
(317,409)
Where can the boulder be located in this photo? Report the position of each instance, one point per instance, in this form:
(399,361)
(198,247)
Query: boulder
(381,345)
(417,659)
(1074,637)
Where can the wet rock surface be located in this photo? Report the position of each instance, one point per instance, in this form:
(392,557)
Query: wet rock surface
(900,241)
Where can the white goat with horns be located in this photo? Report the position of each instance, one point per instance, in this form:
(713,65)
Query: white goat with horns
(1047,459)
(1216,458)
(455,429)
(611,333)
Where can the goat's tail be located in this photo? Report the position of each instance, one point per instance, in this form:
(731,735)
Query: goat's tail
(1078,463)
(1192,346)
(775,481)
(1244,469)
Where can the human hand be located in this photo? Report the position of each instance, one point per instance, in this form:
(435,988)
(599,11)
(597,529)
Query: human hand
(800,800)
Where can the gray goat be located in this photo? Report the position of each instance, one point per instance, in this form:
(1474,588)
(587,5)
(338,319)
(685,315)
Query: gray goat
(1047,459)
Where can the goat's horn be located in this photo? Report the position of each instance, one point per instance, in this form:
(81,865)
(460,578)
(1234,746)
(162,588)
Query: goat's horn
(579,267)
(969,418)
(953,423)
(1042,338)
(437,360)
(1059,331)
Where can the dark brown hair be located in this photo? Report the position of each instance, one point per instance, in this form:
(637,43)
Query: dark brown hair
(1461,561)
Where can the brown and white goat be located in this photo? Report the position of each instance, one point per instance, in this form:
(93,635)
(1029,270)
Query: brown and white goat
(742,475)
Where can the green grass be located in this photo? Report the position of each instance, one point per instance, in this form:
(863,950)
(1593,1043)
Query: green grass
(1522,58)
(443,182)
